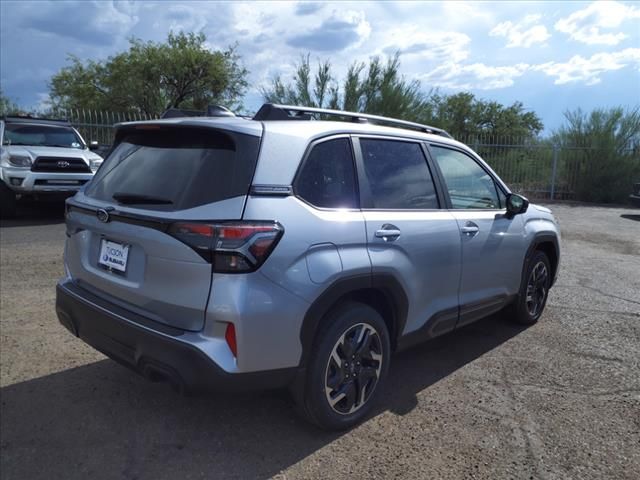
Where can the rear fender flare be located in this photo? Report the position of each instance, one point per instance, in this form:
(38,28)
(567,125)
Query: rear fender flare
(341,289)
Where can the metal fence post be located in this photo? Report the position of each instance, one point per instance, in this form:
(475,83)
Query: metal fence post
(554,170)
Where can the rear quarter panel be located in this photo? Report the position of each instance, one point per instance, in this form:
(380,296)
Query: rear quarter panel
(268,307)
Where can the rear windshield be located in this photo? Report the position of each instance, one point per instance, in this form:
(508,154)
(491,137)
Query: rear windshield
(176,168)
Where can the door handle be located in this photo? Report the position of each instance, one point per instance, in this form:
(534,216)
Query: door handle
(388,233)
(470,229)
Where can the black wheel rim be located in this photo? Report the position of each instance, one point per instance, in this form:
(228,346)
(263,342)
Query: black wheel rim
(537,289)
(353,369)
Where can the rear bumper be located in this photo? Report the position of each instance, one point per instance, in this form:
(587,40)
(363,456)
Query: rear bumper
(155,351)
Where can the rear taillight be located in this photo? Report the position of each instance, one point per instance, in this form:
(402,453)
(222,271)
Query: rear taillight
(232,247)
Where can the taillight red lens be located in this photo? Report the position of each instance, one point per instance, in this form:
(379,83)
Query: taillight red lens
(261,247)
(232,247)
(241,232)
(230,337)
(195,229)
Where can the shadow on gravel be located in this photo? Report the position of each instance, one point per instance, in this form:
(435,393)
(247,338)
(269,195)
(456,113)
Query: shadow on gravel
(631,217)
(103,421)
(32,213)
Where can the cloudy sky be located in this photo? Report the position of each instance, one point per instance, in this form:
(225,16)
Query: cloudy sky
(552,56)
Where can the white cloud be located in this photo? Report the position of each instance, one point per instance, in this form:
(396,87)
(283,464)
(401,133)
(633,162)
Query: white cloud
(184,18)
(343,29)
(587,25)
(113,19)
(460,14)
(255,18)
(578,69)
(522,34)
(95,23)
(432,45)
(474,76)
(589,70)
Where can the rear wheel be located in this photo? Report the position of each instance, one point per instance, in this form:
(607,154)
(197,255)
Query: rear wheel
(535,290)
(7,201)
(347,367)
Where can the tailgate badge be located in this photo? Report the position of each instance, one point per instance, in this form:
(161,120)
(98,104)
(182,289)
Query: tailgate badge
(103,215)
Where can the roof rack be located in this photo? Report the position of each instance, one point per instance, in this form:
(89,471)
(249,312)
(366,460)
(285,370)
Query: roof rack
(271,111)
(32,119)
(211,111)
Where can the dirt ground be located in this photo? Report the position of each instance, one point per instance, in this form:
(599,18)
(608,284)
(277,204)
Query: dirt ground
(560,399)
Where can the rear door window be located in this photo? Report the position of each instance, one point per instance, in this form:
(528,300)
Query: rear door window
(398,175)
(176,168)
(327,178)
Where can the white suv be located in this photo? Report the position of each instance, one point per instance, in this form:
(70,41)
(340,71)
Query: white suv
(42,157)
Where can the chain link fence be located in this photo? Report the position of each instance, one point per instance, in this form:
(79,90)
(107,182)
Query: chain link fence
(95,125)
(537,168)
(544,170)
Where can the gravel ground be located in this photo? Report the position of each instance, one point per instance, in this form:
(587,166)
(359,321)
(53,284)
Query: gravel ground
(560,399)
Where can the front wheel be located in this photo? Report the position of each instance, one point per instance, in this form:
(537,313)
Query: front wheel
(533,295)
(347,367)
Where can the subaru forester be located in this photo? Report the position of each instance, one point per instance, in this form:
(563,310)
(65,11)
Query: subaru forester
(286,251)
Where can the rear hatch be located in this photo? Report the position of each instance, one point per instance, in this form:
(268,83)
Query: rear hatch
(123,244)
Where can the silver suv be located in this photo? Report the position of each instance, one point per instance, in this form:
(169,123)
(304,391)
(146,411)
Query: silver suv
(40,157)
(278,251)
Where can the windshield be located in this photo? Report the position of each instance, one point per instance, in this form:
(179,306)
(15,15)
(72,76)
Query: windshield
(41,136)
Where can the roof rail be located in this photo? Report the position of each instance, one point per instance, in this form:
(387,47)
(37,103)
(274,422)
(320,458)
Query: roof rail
(270,111)
(211,111)
(32,119)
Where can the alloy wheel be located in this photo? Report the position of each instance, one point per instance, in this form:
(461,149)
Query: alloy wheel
(353,368)
(537,289)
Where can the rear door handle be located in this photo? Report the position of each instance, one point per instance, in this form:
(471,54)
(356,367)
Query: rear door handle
(388,233)
(470,229)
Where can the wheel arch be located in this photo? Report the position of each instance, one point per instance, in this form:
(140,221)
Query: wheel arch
(548,244)
(383,292)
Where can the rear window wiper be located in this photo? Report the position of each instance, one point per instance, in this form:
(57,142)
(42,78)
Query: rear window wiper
(135,198)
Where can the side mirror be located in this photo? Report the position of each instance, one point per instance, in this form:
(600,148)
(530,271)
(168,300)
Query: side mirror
(516,204)
(94,145)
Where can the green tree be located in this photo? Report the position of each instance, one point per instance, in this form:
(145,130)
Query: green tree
(601,150)
(614,129)
(471,119)
(376,88)
(7,105)
(379,88)
(151,77)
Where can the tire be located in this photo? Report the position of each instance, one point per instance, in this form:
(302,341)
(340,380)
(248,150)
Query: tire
(329,399)
(534,291)
(7,202)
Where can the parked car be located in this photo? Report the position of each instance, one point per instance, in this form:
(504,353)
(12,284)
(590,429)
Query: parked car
(41,157)
(276,251)
(634,198)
